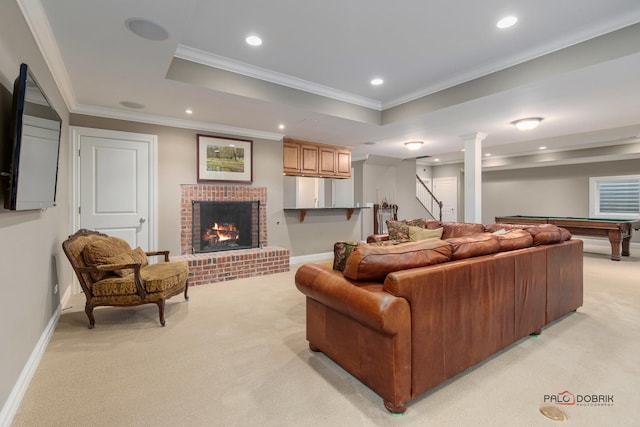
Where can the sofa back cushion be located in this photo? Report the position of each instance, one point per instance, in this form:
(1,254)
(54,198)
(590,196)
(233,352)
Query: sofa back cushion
(545,234)
(460,229)
(513,239)
(473,245)
(373,263)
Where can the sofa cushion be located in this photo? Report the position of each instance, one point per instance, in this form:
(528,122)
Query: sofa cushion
(513,239)
(460,229)
(545,234)
(373,263)
(136,256)
(566,234)
(160,277)
(419,233)
(341,251)
(100,250)
(473,245)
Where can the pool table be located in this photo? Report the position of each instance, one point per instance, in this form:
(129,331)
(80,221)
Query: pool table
(617,230)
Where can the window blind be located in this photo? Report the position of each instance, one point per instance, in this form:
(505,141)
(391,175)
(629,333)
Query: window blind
(621,196)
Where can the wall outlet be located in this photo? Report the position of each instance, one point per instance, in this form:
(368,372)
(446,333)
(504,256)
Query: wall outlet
(55,289)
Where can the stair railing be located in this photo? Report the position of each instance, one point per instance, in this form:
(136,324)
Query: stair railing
(425,197)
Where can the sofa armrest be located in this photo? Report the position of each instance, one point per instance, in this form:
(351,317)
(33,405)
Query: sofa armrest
(370,306)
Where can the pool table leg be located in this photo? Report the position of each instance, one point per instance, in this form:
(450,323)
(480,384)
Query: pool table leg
(625,246)
(616,241)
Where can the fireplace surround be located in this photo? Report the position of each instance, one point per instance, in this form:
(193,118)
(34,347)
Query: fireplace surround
(223,265)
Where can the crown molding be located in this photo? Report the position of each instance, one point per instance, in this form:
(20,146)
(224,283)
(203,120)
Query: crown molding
(38,23)
(111,113)
(216,61)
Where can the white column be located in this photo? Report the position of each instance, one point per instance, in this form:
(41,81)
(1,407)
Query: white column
(473,176)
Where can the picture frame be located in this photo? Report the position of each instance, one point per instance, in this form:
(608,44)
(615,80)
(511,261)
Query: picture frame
(224,159)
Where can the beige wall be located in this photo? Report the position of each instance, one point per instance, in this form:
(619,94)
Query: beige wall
(31,259)
(554,190)
(177,165)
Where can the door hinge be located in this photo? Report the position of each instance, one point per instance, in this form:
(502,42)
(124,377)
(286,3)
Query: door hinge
(79,209)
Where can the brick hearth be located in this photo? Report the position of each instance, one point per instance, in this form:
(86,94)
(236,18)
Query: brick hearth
(228,265)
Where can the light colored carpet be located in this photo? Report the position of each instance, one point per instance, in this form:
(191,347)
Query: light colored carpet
(236,355)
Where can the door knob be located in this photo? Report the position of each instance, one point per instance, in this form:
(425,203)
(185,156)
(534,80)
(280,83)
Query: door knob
(142,220)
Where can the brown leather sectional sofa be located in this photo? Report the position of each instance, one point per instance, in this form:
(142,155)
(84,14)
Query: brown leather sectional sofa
(404,318)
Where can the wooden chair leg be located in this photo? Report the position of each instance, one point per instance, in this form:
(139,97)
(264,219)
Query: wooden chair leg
(88,308)
(186,288)
(160,303)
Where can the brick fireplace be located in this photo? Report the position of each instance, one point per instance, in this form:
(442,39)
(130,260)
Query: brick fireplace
(222,265)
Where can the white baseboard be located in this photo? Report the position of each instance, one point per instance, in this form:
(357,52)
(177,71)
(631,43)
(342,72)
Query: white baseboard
(64,300)
(604,243)
(311,258)
(20,388)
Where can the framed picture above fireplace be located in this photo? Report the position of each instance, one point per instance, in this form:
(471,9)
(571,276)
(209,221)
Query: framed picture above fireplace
(224,159)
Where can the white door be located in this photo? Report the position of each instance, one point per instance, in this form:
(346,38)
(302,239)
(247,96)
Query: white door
(114,187)
(446,190)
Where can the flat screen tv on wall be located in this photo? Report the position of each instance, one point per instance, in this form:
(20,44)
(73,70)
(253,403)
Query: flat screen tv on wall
(35,137)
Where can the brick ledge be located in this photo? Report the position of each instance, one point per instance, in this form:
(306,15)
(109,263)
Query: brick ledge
(237,264)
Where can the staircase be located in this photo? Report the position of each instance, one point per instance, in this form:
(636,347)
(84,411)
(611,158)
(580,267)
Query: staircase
(427,199)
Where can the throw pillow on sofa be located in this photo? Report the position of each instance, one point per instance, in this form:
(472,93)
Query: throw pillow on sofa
(136,256)
(417,233)
(341,251)
(399,230)
(98,251)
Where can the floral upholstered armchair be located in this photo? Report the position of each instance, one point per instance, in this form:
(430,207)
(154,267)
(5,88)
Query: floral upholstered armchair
(112,274)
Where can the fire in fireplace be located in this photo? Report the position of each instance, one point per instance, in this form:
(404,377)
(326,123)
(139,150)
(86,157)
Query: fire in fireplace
(222,226)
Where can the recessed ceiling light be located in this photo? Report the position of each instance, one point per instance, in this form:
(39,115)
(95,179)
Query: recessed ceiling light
(487,154)
(146,29)
(253,40)
(377,81)
(280,126)
(527,124)
(188,111)
(436,159)
(506,22)
(131,104)
(413,145)
(542,148)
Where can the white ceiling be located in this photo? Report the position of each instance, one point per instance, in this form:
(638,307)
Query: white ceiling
(448,70)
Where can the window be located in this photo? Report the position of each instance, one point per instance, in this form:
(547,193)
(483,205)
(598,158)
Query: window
(614,197)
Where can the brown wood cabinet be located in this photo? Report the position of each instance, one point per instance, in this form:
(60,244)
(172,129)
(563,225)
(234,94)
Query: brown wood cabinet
(304,158)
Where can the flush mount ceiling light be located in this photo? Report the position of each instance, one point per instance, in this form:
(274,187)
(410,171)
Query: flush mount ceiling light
(146,29)
(527,124)
(377,81)
(188,111)
(506,22)
(413,145)
(253,40)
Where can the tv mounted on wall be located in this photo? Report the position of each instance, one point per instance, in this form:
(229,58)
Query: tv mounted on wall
(35,138)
